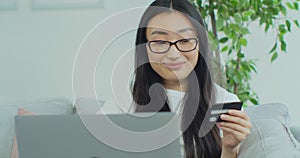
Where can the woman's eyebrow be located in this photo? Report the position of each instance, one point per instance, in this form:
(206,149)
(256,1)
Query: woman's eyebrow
(165,33)
(159,32)
(185,29)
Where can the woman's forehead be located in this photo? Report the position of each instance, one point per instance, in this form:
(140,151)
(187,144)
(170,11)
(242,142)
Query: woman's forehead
(170,22)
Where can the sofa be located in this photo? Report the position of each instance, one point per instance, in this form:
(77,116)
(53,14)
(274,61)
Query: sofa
(53,106)
(272,135)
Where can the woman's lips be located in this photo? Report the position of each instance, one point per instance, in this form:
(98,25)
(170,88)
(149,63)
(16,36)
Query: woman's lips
(174,66)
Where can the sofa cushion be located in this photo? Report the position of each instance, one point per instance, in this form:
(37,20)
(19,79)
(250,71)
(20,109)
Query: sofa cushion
(8,111)
(275,111)
(270,136)
(87,105)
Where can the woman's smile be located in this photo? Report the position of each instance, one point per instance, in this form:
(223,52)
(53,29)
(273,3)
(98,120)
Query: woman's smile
(174,65)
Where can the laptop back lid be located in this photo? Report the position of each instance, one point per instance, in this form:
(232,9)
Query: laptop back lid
(98,136)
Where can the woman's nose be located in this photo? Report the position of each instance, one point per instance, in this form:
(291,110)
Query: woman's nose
(173,53)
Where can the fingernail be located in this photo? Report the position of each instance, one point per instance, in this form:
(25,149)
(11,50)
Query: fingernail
(223,116)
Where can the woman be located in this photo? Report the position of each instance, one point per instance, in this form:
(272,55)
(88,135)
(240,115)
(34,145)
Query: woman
(171,46)
(172,50)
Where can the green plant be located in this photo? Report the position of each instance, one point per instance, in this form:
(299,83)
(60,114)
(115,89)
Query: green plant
(229,22)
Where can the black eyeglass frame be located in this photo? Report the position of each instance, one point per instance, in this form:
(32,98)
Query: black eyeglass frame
(173,43)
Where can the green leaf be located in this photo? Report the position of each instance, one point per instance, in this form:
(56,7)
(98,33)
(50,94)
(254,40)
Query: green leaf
(261,21)
(235,79)
(240,55)
(227,30)
(246,66)
(248,13)
(234,62)
(274,56)
(296,6)
(223,40)
(243,41)
(245,18)
(230,51)
(238,47)
(288,4)
(224,49)
(234,27)
(267,27)
(288,25)
(253,68)
(235,3)
(220,23)
(254,101)
(273,49)
(283,10)
(280,37)
(296,23)
(282,28)
(237,18)
(245,31)
(283,46)
(237,75)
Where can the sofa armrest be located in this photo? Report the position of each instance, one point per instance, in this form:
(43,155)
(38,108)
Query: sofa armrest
(296,132)
(270,135)
(53,106)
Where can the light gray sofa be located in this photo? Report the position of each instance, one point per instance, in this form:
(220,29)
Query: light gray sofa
(271,135)
(56,106)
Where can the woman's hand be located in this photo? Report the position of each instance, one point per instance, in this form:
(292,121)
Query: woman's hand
(236,128)
(14,151)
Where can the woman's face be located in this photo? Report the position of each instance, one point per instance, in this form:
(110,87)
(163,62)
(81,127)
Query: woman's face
(172,65)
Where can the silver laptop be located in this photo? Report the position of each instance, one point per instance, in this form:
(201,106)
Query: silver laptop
(97,136)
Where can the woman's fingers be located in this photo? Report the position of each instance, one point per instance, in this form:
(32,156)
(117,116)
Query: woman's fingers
(238,113)
(237,135)
(22,111)
(235,127)
(237,117)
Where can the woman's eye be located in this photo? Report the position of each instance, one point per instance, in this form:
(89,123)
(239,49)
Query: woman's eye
(160,42)
(184,41)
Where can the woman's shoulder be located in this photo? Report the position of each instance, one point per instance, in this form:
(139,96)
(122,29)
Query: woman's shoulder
(223,96)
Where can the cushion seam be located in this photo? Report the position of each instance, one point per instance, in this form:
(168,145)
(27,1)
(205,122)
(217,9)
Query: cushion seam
(261,138)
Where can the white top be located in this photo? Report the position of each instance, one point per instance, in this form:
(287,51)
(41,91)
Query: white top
(174,97)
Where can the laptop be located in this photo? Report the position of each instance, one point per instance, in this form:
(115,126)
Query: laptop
(98,136)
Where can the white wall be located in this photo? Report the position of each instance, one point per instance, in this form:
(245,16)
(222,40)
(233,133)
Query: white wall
(278,81)
(38,48)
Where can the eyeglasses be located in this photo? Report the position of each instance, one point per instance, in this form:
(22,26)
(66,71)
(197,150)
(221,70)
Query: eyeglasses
(183,45)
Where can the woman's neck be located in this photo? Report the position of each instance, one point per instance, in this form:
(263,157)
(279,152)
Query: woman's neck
(176,85)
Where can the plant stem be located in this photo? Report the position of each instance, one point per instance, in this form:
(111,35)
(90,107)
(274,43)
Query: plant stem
(217,51)
(214,28)
(236,85)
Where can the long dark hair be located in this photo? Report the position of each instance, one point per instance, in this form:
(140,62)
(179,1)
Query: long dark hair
(146,99)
